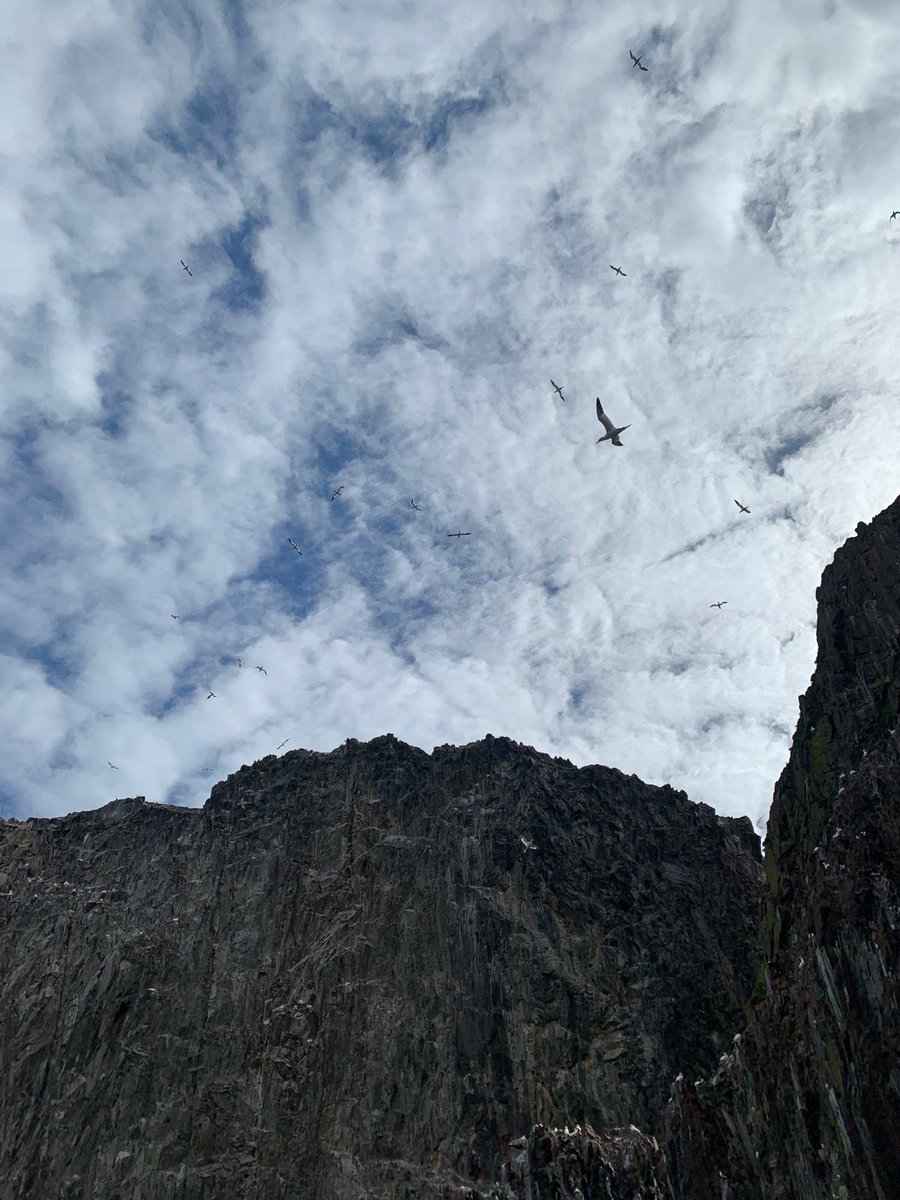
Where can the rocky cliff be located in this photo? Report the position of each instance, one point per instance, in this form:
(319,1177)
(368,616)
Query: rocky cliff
(350,976)
(806,1106)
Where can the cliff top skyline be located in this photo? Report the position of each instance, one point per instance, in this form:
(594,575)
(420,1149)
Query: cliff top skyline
(398,227)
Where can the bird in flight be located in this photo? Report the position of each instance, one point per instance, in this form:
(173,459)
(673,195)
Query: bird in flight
(337,491)
(294,545)
(718,604)
(529,845)
(742,507)
(618,271)
(895,214)
(612,433)
(417,507)
(113,765)
(284,743)
(174,618)
(206,770)
(459,535)
(558,387)
(636,60)
(240,662)
(211,696)
(186,267)
(263,669)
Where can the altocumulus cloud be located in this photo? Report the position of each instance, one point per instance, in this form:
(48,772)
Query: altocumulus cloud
(400,224)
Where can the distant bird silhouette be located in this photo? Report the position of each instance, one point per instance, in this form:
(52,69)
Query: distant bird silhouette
(337,491)
(174,618)
(529,845)
(742,507)
(240,662)
(612,433)
(263,669)
(558,388)
(284,743)
(294,545)
(417,507)
(459,535)
(211,696)
(895,214)
(206,770)
(186,267)
(113,765)
(618,271)
(636,60)
(718,604)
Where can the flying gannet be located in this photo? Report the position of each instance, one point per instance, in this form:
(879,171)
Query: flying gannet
(636,60)
(459,535)
(173,616)
(211,696)
(186,267)
(417,507)
(337,491)
(113,765)
(618,271)
(895,214)
(612,433)
(529,845)
(294,545)
(284,743)
(742,507)
(718,604)
(558,387)
(263,669)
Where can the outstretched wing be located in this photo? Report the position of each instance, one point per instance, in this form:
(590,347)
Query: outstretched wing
(604,419)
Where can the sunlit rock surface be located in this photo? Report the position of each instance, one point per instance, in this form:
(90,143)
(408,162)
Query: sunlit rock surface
(806,1105)
(348,977)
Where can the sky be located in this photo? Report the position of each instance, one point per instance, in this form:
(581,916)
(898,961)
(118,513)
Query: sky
(400,220)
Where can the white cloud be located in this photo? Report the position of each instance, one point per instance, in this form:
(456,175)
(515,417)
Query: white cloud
(437,197)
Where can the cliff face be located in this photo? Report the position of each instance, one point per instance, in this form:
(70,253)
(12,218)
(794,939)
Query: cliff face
(347,976)
(807,1105)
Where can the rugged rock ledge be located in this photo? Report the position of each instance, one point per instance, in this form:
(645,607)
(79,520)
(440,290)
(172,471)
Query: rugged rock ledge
(806,1106)
(347,977)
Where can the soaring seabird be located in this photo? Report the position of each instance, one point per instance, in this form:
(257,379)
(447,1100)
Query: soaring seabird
(172,615)
(895,214)
(211,696)
(612,433)
(113,765)
(618,271)
(742,507)
(263,669)
(636,60)
(529,845)
(337,491)
(459,535)
(284,743)
(186,267)
(558,388)
(294,545)
(417,507)
(206,770)
(718,604)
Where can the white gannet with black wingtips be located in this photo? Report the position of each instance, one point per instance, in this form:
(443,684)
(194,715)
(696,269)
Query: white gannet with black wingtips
(186,267)
(612,433)
(527,843)
(294,546)
(558,387)
(742,507)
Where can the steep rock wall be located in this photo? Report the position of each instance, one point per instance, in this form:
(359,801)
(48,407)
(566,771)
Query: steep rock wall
(346,976)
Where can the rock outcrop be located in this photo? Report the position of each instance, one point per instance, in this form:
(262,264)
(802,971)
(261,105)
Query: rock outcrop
(806,1105)
(347,976)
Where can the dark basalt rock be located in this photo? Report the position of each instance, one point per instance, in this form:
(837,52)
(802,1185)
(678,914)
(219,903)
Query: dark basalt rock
(807,1104)
(346,977)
